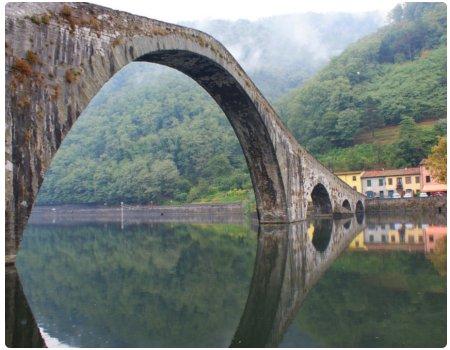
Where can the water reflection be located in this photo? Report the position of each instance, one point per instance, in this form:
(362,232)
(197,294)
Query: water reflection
(158,285)
(289,261)
(21,328)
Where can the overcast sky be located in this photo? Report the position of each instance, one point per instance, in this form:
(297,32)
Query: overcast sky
(190,10)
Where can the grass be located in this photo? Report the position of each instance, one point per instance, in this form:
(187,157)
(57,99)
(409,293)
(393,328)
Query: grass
(232,196)
(388,134)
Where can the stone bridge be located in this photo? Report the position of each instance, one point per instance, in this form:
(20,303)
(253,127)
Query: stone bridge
(59,55)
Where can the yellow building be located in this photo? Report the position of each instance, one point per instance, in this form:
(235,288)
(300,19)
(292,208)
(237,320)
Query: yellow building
(409,178)
(351,178)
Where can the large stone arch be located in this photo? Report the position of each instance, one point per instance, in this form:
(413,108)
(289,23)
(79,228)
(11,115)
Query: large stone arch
(59,55)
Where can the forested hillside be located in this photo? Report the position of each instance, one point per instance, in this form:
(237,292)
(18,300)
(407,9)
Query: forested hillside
(153,135)
(395,76)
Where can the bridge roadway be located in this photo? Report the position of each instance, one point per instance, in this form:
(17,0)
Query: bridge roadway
(59,55)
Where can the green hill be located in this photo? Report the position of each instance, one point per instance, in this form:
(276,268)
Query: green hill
(397,72)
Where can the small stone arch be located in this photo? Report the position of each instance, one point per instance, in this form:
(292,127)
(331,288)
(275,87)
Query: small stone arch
(321,200)
(359,207)
(346,205)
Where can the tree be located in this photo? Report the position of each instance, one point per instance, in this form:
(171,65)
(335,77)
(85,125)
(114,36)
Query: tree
(410,148)
(371,118)
(437,160)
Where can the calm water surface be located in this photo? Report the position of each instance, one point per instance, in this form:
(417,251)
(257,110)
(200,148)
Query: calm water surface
(359,282)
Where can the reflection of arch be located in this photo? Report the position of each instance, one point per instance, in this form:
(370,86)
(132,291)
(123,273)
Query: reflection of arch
(347,224)
(346,205)
(322,234)
(281,283)
(321,200)
(359,207)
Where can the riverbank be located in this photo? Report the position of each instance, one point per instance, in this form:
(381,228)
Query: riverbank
(232,213)
(407,205)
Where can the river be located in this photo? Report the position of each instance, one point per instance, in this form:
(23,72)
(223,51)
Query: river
(356,282)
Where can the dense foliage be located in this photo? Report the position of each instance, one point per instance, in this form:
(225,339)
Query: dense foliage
(398,72)
(437,161)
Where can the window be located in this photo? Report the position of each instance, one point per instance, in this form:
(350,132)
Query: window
(391,193)
(371,238)
(380,182)
(354,187)
(427,178)
(393,239)
(381,194)
(399,180)
(354,178)
(369,194)
(408,180)
(383,238)
(356,244)
(431,238)
(369,183)
(417,191)
(417,179)
(390,181)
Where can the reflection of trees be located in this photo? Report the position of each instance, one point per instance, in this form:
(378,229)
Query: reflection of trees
(151,285)
(439,256)
(393,299)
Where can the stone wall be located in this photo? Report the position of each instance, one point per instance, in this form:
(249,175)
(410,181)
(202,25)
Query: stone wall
(415,204)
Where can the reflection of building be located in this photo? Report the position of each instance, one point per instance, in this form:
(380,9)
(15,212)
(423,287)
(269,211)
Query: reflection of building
(384,183)
(351,178)
(358,242)
(396,236)
(432,235)
(429,185)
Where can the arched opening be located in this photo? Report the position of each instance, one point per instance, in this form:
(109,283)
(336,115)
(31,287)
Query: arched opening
(246,121)
(347,224)
(359,207)
(322,234)
(346,205)
(192,53)
(359,212)
(321,200)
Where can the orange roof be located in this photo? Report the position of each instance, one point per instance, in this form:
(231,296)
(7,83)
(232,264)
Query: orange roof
(434,188)
(391,172)
(348,172)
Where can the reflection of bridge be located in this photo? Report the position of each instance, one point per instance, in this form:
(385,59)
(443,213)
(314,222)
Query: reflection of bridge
(58,56)
(288,264)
